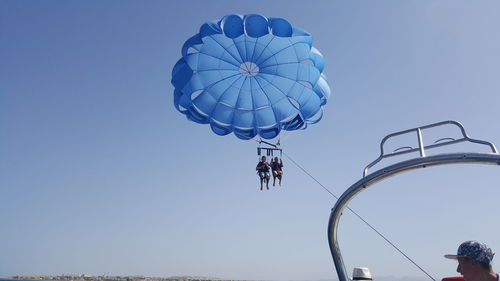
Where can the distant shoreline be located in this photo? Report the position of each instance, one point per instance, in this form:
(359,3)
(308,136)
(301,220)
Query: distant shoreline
(21,279)
(86,277)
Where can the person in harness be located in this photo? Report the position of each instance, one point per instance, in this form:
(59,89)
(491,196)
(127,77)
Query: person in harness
(263,171)
(276,168)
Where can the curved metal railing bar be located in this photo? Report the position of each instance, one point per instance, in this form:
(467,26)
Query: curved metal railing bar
(443,139)
(391,170)
(402,148)
(421,147)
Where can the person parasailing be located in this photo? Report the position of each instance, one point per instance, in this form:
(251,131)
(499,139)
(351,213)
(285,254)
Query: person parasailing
(277,169)
(263,171)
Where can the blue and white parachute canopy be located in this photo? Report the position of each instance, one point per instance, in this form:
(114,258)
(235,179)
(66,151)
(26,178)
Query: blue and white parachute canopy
(250,75)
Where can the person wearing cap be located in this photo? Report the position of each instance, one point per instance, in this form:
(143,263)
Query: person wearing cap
(474,261)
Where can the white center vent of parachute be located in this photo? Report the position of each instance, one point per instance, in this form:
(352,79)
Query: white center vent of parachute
(249,69)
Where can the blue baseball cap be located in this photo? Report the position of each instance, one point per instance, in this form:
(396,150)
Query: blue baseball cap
(475,251)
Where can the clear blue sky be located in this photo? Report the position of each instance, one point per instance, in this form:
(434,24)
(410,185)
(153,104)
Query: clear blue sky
(100,174)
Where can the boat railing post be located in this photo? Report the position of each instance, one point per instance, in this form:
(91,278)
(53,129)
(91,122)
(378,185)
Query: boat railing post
(420,143)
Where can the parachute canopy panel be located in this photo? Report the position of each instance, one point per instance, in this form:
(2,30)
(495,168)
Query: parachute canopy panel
(250,75)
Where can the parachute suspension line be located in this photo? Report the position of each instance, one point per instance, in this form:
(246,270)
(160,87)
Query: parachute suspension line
(284,133)
(361,218)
